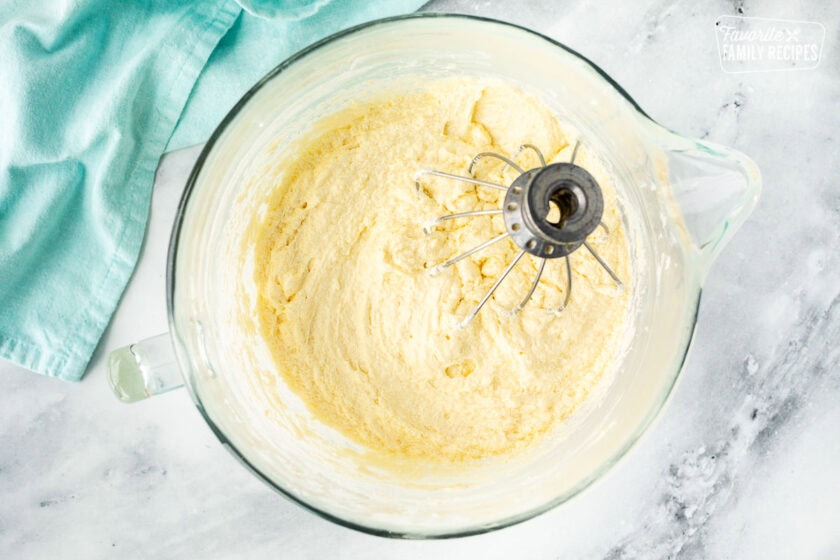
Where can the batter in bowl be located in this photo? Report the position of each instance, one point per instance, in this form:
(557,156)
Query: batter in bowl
(368,339)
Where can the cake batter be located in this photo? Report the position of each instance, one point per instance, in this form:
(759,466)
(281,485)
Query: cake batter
(368,339)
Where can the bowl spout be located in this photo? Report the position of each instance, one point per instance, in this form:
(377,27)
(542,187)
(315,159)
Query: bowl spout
(712,189)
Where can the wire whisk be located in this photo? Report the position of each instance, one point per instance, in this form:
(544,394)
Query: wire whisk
(549,212)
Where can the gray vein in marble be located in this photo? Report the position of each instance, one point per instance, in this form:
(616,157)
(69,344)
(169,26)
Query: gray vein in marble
(702,480)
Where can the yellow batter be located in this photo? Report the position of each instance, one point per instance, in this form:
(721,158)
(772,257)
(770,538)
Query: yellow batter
(362,332)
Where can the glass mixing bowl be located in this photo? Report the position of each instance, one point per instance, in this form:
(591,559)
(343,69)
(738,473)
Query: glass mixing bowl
(680,199)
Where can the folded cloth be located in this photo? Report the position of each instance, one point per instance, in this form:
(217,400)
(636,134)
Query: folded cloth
(91,94)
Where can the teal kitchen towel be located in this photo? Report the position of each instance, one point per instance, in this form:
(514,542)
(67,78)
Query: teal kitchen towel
(90,95)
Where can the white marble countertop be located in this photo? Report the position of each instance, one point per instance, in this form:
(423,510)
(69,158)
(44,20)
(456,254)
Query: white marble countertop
(743,463)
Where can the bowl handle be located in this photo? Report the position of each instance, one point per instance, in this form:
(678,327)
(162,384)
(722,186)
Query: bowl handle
(144,369)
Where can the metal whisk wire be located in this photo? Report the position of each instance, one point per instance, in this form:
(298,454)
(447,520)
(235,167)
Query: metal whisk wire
(420,173)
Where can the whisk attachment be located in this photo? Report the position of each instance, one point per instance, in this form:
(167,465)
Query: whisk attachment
(549,212)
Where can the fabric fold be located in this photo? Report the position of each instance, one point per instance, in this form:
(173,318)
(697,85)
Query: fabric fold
(87,108)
